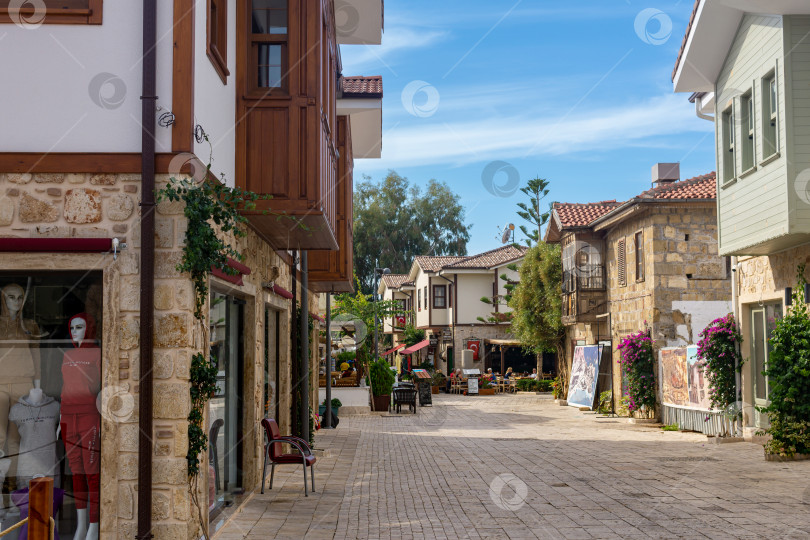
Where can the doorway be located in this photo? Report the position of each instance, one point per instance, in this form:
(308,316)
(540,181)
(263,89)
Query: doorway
(763,323)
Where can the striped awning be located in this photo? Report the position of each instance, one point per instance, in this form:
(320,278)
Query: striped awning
(395,349)
(418,347)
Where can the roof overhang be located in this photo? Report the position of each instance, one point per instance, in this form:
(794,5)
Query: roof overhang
(632,206)
(712,33)
(359,22)
(366,125)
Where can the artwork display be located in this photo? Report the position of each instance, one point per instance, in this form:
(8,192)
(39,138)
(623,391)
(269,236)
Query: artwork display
(683,379)
(584,373)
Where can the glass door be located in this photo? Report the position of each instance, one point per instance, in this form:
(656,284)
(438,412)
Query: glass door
(763,322)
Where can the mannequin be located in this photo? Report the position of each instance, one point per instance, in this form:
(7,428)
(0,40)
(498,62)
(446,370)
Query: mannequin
(80,423)
(36,416)
(19,364)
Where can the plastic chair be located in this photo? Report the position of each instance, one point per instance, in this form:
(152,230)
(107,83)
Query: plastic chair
(273,451)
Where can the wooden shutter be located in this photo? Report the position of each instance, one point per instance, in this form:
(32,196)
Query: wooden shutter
(621,263)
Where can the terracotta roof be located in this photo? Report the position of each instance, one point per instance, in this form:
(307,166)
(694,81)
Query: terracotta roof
(363,86)
(394,281)
(492,258)
(685,39)
(699,187)
(580,215)
(434,263)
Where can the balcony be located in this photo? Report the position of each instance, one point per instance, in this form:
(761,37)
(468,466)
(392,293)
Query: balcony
(332,271)
(584,294)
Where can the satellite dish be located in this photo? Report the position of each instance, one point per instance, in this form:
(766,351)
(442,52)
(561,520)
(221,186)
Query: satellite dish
(506,232)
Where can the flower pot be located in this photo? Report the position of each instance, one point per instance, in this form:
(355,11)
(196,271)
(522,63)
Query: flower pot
(381,403)
(434,389)
(322,410)
(486,391)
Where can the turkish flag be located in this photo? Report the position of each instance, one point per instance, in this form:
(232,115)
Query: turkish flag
(474,346)
(400,320)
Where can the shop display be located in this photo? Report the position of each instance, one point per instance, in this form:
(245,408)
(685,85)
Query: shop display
(683,380)
(37,417)
(584,371)
(81,421)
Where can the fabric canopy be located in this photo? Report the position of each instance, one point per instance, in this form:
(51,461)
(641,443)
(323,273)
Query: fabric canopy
(395,349)
(419,346)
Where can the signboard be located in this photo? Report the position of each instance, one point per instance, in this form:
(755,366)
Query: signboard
(469,372)
(425,397)
(433,340)
(447,334)
(584,372)
(683,379)
(472,386)
(475,346)
(421,374)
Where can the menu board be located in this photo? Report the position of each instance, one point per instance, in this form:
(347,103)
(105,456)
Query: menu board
(425,397)
(472,386)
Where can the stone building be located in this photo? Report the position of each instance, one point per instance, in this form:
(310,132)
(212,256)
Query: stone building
(744,64)
(76,172)
(650,262)
(442,295)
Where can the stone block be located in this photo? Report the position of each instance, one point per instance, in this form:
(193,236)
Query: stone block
(120,207)
(127,466)
(130,334)
(126,501)
(128,437)
(184,295)
(130,293)
(164,233)
(90,232)
(182,365)
(173,330)
(129,177)
(35,211)
(171,471)
(82,206)
(180,232)
(161,505)
(120,228)
(103,179)
(6,211)
(49,178)
(163,448)
(171,400)
(127,530)
(19,178)
(181,504)
(129,263)
(166,264)
(54,192)
(164,364)
(181,440)
(170,208)
(13,192)
(170,531)
(129,188)
(50,231)
(75,178)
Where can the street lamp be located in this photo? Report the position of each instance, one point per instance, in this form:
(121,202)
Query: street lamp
(377,272)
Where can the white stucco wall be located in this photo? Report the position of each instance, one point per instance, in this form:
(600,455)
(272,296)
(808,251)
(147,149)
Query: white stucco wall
(55,98)
(423,316)
(471,287)
(697,315)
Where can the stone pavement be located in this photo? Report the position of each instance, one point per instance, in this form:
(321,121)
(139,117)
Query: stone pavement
(521,467)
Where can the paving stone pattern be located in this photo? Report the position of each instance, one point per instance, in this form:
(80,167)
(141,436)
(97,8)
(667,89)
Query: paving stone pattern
(521,467)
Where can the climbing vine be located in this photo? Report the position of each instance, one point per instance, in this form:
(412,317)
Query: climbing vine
(718,348)
(638,363)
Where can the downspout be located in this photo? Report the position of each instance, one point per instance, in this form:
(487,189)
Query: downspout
(305,416)
(294,340)
(327,421)
(148,99)
(737,375)
(453,321)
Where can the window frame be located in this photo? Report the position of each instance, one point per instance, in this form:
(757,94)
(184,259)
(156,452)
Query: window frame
(770,115)
(621,262)
(92,14)
(219,27)
(749,127)
(638,245)
(425,296)
(419,299)
(437,297)
(727,141)
(254,40)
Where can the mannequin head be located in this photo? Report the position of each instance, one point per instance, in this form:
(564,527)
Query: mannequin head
(82,330)
(13,300)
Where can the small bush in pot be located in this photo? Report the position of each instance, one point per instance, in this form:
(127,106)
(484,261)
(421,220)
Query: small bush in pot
(382,382)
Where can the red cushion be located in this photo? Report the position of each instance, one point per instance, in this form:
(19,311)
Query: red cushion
(294,458)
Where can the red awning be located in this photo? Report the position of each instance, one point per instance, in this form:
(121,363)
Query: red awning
(418,347)
(236,279)
(56,245)
(395,349)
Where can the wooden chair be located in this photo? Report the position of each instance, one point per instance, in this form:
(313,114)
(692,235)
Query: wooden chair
(273,452)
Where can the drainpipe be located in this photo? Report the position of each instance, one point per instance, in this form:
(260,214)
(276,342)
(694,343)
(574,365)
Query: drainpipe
(327,421)
(294,340)
(147,310)
(305,418)
(737,374)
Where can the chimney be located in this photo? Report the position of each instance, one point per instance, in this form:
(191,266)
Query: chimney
(665,173)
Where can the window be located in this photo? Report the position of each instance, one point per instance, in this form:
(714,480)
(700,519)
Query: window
(748,126)
(450,296)
(621,263)
(268,37)
(56,12)
(770,116)
(439,297)
(729,154)
(217,47)
(51,343)
(639,247)
(425,296)
(419,299)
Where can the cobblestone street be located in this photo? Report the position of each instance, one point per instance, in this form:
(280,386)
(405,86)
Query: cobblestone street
(522,467)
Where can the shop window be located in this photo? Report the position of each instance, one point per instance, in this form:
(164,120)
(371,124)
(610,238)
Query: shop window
(225,408)
(52,12)
(439,297)
(217,37)
(50,377)
(268,36)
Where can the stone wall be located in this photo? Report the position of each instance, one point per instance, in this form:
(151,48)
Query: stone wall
(105,205)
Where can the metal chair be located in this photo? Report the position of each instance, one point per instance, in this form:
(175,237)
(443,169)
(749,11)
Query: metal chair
(273,451)
(405,396)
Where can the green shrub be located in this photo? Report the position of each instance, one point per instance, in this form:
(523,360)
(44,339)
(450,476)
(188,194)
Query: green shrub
(605,402)
(543,385)
(382,378)
(525,385)
(671,427)
(336,404)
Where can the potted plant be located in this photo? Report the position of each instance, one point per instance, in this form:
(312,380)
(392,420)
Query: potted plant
(382,382)
(558,391)
(336,405)
(485,388)
(439,381)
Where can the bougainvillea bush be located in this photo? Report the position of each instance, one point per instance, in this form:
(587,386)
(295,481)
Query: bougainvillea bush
(718,350)
(788,373)
(638,363)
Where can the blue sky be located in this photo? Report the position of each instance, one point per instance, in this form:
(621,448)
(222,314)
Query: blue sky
(577,92)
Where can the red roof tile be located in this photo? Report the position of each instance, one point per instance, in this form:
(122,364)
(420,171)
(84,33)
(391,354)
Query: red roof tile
(434,263)
(699,187)
(363,86)
(395,281)
(685,39)
(580,215)
(492,258)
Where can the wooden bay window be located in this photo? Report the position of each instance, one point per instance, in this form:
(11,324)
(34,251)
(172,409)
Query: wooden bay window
(217,37)
(56,12)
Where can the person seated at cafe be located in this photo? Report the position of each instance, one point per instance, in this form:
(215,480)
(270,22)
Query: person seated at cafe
(534,374)
(347,373)
(508,374)
(344,366)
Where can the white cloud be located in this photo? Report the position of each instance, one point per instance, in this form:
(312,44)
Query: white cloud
(357,57)
(430,142)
